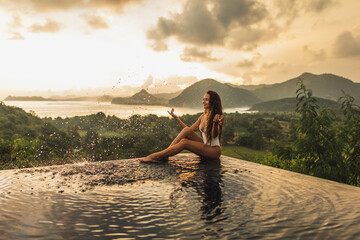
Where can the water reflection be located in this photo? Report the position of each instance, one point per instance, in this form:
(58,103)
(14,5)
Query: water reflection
(204,176)
(81,108)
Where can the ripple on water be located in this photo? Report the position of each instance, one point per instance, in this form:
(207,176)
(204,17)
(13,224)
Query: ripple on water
(235,199)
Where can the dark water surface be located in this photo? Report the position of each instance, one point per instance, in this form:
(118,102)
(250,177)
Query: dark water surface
(227,199)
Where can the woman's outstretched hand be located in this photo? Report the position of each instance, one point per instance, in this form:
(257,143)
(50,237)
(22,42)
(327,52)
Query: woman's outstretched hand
(172,113)
(219,119)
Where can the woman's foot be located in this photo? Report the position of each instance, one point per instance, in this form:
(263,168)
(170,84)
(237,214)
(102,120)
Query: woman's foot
(147,159)
(152,159)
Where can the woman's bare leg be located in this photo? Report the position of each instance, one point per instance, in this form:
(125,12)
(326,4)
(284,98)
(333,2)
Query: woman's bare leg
(186,132)
(194,146)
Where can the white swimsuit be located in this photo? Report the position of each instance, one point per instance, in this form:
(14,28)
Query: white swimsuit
(214,141)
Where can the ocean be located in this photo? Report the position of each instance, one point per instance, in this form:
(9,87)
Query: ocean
(65,109)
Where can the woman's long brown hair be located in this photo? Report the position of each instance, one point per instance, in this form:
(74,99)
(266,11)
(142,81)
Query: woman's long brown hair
(215,108)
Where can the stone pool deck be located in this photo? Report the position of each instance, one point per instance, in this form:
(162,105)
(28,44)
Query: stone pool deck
(87,176)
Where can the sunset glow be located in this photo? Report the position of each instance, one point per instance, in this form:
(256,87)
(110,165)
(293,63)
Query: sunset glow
(164,46)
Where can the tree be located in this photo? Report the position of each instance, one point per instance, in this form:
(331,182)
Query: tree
(25,153)
(349,135)
(5,152)
(316,141)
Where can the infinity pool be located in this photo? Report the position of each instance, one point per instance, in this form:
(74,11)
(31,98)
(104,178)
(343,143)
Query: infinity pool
(184,198)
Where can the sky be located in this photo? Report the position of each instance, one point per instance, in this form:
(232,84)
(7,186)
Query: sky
(117,47)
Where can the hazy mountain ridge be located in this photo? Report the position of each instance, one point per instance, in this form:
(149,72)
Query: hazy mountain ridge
(26,98)
(167,96)
(140,98)
(328,86)
(230,96)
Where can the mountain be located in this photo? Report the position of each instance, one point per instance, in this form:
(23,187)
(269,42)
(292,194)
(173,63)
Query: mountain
(167,96)
(140,98)
(21,98)
(231,96)
(289,105)
(326,86)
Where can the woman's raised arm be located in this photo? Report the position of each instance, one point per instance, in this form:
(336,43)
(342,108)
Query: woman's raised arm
(177,118)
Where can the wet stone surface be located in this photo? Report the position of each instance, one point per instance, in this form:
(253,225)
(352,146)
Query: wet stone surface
(86,175)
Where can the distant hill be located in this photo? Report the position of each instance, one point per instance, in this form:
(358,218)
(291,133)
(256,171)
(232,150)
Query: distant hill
(231,96)
(14,120)
(289,105)
(105,98)
(140,98)
(326,86)
(23,98)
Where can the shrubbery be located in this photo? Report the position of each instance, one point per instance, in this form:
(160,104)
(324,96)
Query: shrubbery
(313,141)
(324,145)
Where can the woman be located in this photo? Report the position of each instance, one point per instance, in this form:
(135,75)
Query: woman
(210,125)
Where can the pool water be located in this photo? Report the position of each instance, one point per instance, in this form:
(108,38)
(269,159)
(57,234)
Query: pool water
(218,199)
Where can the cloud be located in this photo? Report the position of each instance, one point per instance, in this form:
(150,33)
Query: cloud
(192,54)
(42,5)
(245,63)
(50,26)
(232,24)
(16,36)
(247,78)
(154,85)
(290,10)
(249,38)
(271,65)
(170,84)
(242,12)
(149,82)
(63,5)
(16,21)
(116,5)
(318,5)
(194,25)
(96,22)
(313,54)
(347,45)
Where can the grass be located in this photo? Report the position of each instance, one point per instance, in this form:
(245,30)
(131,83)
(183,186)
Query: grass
(243,153)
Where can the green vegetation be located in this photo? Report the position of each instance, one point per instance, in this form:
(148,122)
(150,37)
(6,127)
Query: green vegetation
(289,105)
(245,153)
(313,140)
(321,144)
(26,140)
